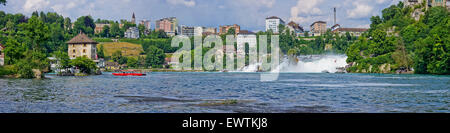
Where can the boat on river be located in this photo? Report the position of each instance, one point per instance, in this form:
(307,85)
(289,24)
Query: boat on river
(129,73)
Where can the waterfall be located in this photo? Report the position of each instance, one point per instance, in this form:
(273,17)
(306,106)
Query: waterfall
(306,64)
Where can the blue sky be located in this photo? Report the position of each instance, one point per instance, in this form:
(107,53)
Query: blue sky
(250,14)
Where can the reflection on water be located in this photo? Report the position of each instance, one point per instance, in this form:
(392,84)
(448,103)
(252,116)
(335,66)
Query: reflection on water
(228,92)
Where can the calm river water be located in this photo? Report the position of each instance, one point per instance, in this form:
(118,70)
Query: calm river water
(227,92)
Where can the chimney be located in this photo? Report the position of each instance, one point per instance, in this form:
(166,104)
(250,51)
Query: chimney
(334,15)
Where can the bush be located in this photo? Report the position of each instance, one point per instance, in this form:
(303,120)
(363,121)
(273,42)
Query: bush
(85,64)
(24,69)
(6,71)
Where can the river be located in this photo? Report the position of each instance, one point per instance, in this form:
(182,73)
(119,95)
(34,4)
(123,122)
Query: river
(227,93)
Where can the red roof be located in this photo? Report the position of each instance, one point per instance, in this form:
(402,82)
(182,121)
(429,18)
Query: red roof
(81,39)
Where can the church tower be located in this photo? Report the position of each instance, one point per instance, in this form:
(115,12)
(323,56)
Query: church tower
(133,19)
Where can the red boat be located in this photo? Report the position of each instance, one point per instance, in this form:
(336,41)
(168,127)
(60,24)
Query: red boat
(129,73)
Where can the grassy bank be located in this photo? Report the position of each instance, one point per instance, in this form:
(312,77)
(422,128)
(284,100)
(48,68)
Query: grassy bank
(128,49)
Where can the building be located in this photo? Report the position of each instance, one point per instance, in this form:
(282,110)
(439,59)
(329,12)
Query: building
(132,32)
(295,28)
(146,23)
(198,31)
(353,31)
(99,28)
(186,30)
(209,31)
(272,23)
(412,2)
(429,3)
(2,55)
(318,28)
(82,45)
(433,3)
(168,25)
(245,37)
(133,19)
(224,29)
(335,27)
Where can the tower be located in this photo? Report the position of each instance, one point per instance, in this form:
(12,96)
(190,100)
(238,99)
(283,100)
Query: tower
(334,15)
(133,19)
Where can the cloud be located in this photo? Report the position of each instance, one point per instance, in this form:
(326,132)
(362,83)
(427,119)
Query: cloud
(63,8)
(188,3)
(360,11)
(305,11)
(256,3)
(33,5)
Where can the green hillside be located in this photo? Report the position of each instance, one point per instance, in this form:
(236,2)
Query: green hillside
(396,42)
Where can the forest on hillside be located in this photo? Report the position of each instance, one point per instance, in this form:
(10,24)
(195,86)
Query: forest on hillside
(395,41)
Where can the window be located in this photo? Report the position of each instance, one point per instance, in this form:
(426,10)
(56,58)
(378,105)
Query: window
(73,45)
(73,56)
(84,45)
(84,50)
(73,51)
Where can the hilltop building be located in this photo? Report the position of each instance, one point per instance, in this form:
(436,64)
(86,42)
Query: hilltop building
(82,45)
(198,31)
(335,27)
(186,30)
(2,55)
(295,28)
(99,28)
(272,23)
(428,3)
(353,31)
(209,31)
(146,23)
(132,32)
(224,29)
(318,28)
(195,31)
(245,37)
(133,19)
(168,25)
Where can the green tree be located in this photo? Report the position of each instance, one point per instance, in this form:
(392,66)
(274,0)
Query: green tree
(85,64)
(3,2)
(63,59)
(132,62)
(106,31)
(115,30)
(155,57)
(142,30)
(13,51)
(35,32)
(84,24)
(101,52)
(306,33)
(116,56)
(67,24)
(231,31)
(281,28)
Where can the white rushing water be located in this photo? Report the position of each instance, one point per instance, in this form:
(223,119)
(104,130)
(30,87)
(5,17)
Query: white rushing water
(306,64)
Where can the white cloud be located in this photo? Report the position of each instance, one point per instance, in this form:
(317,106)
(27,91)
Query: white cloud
(305,10)
(258,3)
(33,5)
(360,11)
(66,7)
(188,3)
